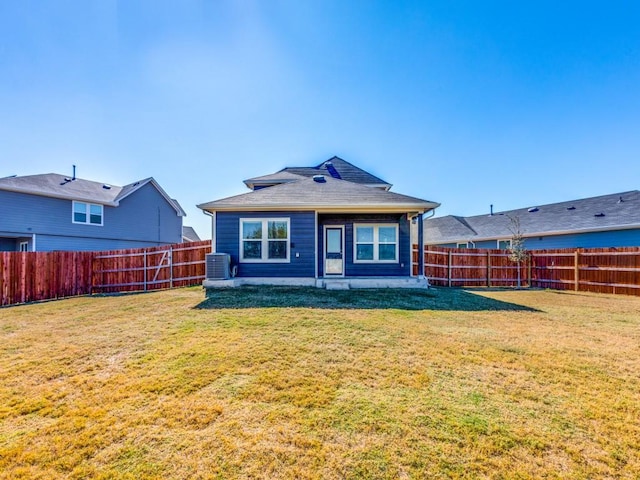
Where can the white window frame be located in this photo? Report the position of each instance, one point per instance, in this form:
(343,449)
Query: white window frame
(500,240)
(376,242)
(87,213)
(462,245)
(23,247)
(265,240)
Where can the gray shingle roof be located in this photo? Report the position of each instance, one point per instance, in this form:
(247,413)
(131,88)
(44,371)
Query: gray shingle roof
(565,217)
(61,186)
(273,179)
(335,167)
(189,234)
(330,194)
(342,170)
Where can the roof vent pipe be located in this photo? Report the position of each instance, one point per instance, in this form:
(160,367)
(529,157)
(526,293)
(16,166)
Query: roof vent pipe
(620,200)
(491,210)
(74,173)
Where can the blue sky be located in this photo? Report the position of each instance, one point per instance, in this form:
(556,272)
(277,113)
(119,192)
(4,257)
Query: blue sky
(465,103)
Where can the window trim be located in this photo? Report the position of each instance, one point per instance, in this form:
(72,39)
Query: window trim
(265,240)
(87,213)
(376,242)
(498,241)
(25,244)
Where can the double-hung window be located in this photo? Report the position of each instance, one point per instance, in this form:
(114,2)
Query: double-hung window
(376,243)
(87,213)
(264,240)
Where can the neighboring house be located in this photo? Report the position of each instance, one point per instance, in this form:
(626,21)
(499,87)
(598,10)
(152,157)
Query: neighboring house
(333,225)
(189,235)
(605,221)
(55,212)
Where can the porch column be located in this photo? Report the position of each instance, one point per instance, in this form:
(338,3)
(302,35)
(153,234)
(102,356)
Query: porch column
(420,246)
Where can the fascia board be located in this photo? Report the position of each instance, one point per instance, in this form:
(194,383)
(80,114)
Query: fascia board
(398,208)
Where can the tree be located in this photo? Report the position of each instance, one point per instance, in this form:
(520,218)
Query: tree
(517,251)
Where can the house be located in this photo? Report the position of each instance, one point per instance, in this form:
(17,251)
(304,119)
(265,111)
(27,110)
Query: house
(333,225)
(604,221)
(56,212)
(189,235)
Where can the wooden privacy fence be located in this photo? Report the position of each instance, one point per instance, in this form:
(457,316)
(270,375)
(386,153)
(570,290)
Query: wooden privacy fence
(32,276)
(150,268)
(602,270)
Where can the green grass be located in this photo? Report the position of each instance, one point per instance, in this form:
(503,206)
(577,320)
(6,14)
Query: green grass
(305,383)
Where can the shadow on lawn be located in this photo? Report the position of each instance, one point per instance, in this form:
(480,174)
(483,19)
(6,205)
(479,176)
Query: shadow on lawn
(399,299)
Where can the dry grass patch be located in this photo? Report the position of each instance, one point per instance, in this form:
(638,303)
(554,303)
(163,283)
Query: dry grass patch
(304,383)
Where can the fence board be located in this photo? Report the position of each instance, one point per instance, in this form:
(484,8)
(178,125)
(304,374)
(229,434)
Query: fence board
(601,270)
(32,276)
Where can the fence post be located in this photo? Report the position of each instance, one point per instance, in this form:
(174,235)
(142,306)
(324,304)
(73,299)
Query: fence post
(576,271)
(145,270)
(530,261)
(488,268)
(449,268)
(171,266)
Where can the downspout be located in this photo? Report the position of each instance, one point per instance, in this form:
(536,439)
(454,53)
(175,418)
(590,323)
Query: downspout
(213,229)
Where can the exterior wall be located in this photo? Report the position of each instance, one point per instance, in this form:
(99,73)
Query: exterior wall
(47,243)
(301,237)
(142,219)
(145,216)
(402,268)
(616,238)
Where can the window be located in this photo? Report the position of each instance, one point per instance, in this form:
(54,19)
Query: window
(24,246)
(462,245)
(504,244)
(88,213)
(376,243)
(264,239)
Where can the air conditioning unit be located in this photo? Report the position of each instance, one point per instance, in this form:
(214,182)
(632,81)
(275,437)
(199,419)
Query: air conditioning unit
(218,266)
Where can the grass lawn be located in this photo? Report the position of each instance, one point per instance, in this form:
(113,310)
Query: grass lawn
(304,383)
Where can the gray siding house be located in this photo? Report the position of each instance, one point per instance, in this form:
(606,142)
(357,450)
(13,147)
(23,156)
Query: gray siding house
(329,225)
(54,212)
(604,221)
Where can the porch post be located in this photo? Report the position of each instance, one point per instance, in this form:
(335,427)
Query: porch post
(420,246)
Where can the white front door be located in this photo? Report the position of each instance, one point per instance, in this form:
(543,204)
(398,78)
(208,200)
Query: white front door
(334,251)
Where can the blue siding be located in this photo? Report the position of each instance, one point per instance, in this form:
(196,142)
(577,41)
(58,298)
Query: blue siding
(618,238)
(613,238)
(402,268)
(142,219)
(53,242)
(302,238)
